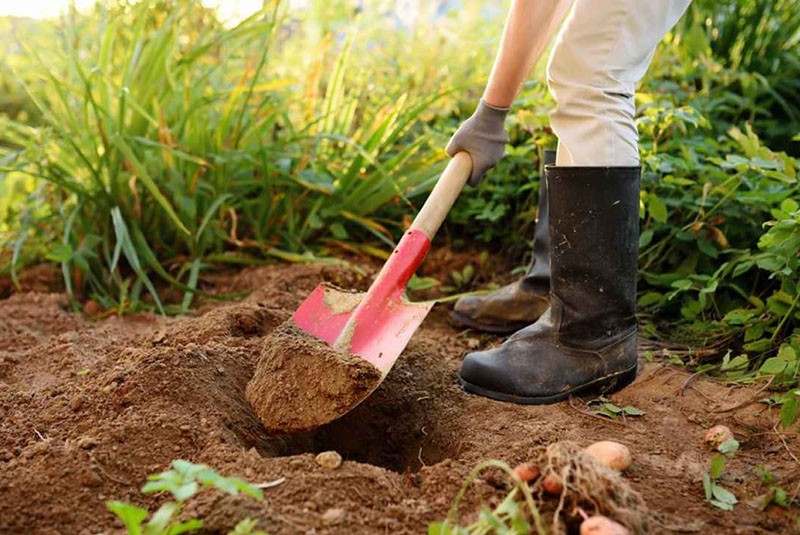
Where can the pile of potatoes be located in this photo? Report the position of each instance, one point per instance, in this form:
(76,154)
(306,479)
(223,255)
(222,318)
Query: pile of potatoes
(612,455)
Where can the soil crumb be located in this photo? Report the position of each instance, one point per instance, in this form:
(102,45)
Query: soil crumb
(301,383)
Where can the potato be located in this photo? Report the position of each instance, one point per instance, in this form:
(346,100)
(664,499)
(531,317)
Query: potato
(717,435)
(552,484)
(330,460)
(526,472)
(601,525)
(612,454)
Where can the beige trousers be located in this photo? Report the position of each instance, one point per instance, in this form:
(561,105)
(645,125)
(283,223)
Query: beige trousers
(600,54)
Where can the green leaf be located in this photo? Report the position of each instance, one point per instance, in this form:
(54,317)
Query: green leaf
(338,231)
(657,208)
(754,332)
(773,366)
(161,519)
(716,466)
(721,505)
(789,205)
(787,352)
(742,268)
(729,447)
(130,515)
(789,411)
(758,346)
(422,283)
(723,495)
(645,238)
(603,411)
(739,316)
(633,411)
(247,527)
(60,253)
(707,248)
(195,524)
(737,363)
(682,284)
(707,485)
(468,272)
(149,183)
(780,497)
(650,298)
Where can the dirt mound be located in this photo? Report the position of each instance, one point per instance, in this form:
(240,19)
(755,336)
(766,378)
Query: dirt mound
(301,383)
(89,409)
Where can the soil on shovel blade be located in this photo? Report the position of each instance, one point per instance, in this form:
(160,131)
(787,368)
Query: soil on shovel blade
(301,383)
(89,408)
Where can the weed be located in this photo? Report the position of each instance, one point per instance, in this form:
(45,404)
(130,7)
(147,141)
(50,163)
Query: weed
(603,407)
(715,494)
(183,481)
(512,516)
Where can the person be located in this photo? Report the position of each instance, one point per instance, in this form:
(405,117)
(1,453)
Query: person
(575,308)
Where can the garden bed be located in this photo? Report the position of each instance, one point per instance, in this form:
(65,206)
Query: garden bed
(89,408)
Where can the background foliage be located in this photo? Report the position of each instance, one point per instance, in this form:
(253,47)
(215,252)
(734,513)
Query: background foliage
(144,144)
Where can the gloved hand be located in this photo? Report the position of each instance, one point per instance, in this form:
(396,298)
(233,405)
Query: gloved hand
(484,137)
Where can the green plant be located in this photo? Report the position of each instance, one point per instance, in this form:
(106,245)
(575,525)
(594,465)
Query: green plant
(603,407)
(183,481)
(715,494)
(512,516)
(748,49)
(170,144)
(775,494)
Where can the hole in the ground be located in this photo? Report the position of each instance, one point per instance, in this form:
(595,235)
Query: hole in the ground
(402,426)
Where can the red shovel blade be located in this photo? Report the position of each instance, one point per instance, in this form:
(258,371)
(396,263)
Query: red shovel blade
(375,325)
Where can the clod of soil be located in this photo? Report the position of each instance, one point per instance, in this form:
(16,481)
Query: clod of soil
(301,383)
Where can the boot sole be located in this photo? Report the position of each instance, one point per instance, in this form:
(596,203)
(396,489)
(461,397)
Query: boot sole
(463,321)
(607,384)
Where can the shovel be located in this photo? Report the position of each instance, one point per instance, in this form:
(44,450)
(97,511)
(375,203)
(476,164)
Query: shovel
(378,324)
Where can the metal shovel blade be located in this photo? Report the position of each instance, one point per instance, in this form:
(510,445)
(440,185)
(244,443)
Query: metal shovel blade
(375,325)
(378,338)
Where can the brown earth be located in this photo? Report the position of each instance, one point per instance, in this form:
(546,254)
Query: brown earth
(89,408)
(300,382)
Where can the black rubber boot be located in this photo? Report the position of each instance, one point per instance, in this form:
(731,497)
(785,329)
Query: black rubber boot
(522,302)
(586,340)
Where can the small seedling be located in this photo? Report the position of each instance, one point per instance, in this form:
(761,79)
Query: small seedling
(463,279)
(508,517)
(604,407)
(183,481)
(422,283)
(775,494)
(511,517)
(716,495)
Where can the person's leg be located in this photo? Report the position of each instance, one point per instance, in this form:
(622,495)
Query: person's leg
(587,338)
(600,54)
(516,305)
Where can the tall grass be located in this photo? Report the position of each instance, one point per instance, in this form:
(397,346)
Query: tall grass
(171,144)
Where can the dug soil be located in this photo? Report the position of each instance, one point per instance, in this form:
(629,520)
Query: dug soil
(90,407)
(300,382)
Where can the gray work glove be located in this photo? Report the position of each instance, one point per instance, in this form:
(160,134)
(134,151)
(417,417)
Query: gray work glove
(484,137)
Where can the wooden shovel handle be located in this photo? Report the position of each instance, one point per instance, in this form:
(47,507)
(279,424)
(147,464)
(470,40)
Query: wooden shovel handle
(444,194)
